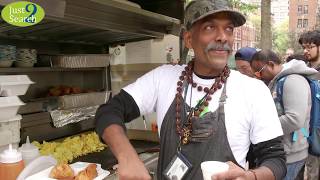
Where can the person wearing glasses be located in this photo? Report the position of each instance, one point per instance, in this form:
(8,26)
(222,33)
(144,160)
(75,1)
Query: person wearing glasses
(294,108)
(310,42)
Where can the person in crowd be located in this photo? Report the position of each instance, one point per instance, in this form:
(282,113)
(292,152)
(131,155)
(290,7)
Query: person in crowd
(294,106)
(289,52)
(296,57)
(205,111)
(243,58)
(310,42)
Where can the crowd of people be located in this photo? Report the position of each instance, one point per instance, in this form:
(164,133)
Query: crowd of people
(294,109)
(206,111)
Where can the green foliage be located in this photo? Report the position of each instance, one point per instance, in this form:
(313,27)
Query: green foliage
(256,22)
(280,38)
(245,8)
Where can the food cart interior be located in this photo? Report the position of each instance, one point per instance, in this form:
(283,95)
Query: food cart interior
(86,27)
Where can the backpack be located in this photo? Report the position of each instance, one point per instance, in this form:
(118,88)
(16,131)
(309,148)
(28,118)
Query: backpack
(314,125)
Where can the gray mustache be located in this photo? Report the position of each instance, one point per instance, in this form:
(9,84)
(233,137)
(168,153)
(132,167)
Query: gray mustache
(218,47)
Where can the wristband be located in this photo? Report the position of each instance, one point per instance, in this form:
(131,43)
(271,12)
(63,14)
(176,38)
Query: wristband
(254,174)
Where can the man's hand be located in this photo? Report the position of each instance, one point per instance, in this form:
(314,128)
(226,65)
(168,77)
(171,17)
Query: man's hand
(234,173)
(132,168)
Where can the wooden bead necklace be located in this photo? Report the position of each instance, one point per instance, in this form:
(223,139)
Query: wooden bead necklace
(184,130)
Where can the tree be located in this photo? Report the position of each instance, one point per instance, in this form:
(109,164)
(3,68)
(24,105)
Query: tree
(245,8)
(266,35)
(280,41)
(255,19)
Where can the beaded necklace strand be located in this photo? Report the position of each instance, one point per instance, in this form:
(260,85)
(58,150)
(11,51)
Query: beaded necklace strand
(184,130)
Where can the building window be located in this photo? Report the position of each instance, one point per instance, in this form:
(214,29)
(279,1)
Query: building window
(299,24)
(299,9)
(305,9)
(305,23)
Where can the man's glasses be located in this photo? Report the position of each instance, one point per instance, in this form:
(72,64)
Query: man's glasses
(258,73)
(308,48)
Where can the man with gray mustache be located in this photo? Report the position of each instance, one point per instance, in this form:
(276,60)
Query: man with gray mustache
(205,111)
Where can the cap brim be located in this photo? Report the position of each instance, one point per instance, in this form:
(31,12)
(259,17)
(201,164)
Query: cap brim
(236,17)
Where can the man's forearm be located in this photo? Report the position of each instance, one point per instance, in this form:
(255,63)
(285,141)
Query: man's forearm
(116,138)
(261,173)
(130,165)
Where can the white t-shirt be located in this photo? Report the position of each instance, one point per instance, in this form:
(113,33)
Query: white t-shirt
(250,113)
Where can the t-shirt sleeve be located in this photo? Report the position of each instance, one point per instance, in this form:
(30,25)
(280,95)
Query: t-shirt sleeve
(265,124)
(118,110)
(144,91)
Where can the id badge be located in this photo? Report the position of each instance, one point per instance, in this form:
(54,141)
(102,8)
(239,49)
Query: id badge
(178,167)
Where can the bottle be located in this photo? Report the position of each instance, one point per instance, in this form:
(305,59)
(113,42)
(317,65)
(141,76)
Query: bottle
(11,164)
(29,152)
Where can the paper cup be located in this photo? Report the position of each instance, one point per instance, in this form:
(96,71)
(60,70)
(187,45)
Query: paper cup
(210,168)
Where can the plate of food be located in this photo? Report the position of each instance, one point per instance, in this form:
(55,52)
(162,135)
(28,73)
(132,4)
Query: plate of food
(75,171)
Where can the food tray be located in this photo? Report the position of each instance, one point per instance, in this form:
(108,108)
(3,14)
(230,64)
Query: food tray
(81,60)
(83,100)
(77,167)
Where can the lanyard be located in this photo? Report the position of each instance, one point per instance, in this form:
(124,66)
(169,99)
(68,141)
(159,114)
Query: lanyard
(190,112)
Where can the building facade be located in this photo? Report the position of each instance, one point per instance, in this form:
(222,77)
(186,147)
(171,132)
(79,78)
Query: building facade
(244,36)
(279,11)
(302,15)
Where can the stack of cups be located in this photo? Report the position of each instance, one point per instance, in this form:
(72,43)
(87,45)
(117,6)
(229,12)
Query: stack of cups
(26,57)
(7,55)
(29,151)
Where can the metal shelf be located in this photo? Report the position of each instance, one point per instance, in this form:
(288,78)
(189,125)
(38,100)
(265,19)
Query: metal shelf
(47,69)
(96,22)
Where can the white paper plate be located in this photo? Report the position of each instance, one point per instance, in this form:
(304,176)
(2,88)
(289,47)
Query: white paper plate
(77,167)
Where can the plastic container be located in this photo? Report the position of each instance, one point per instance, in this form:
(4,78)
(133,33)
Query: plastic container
(29,151)
(10,132)
(9,107)
(6,138)
(13,125)
(11,164)
(14,85)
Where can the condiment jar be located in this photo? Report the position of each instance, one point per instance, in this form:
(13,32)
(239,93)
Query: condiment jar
(11,164)
(29,152)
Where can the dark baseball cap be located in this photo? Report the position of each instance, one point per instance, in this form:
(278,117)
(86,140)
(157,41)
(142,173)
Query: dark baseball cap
(245,53)
(199,9)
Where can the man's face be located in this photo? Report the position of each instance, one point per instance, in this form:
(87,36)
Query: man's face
(262,70)
(310,51)
(244,67)
(211,39)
